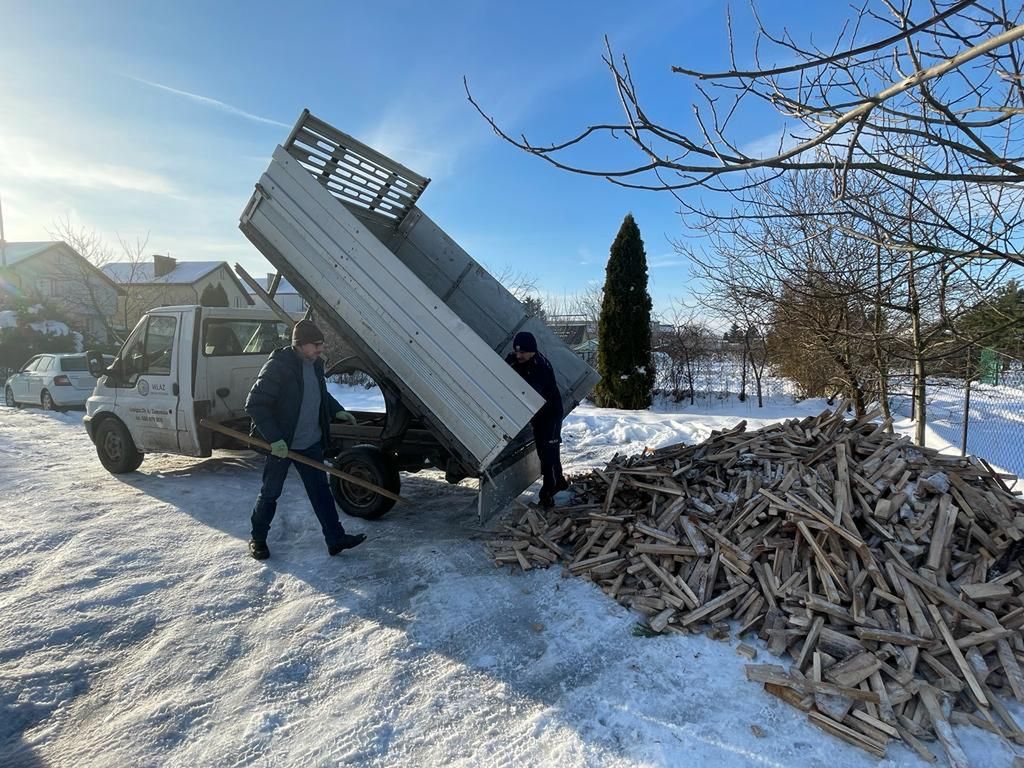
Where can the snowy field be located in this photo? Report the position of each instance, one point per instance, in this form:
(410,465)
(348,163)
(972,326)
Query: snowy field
(137,631)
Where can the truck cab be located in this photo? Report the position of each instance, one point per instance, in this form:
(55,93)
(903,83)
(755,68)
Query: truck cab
(179,365)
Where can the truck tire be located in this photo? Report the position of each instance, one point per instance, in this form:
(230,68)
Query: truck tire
(367,462)
(115,447)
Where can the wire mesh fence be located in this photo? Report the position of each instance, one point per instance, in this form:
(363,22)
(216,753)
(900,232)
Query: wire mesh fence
(981,415)
(719,379)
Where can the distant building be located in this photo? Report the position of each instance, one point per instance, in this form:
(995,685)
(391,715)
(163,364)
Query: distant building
(55,273)
(573,330)
(167,282)
(286,296)
(587,351)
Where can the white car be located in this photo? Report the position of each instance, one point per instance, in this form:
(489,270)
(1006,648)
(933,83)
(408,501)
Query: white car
(54,382)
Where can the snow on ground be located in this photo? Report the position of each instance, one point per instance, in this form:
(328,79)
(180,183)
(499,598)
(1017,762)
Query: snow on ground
(138,632)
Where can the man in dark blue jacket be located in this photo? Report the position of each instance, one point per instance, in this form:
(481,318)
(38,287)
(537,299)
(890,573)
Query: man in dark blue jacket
(291,409)
(547,422)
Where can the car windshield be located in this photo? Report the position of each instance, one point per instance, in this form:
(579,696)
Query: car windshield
(75,363)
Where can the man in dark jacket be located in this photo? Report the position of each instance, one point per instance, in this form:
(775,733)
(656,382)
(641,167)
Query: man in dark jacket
(291,409)
(547,422)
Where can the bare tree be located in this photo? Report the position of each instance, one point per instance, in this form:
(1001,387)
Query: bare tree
(688,346)
(135,256)
(86,292)
(931,105)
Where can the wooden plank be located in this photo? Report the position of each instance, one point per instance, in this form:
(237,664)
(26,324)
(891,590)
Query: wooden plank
(945,521)
(747,651)
(965,668)
(773,673)
(848,735)
(810,642)
(848,673)
(985,636)
(791,696)
(986,620)
(981,592)
(713,605)
(693,533)
(1011,669)
(887,636)
(943,730)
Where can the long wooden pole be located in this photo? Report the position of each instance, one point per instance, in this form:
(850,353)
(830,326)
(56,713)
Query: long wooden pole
(250,440)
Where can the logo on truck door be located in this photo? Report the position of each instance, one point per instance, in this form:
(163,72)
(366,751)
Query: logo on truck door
(143,387)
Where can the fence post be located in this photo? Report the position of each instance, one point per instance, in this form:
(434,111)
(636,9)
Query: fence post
(967,416)
(967,405)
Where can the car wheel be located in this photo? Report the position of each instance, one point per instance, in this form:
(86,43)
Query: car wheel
(115,447)
(367,462)
(9,400)
(46,400)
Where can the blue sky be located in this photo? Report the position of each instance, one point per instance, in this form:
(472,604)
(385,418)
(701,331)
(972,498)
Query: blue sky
(158,118)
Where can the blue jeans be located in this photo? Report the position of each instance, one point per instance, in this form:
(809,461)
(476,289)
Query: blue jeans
(274,473)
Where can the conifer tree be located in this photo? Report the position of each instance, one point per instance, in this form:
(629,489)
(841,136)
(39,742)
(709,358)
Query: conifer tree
(624,327)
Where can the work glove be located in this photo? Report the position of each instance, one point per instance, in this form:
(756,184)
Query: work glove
(345,417)
(279,449)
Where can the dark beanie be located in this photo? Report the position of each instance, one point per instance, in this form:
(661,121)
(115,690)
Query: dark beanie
(524,342)
(306,332)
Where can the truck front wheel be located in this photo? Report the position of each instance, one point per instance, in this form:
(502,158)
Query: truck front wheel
(115,447)
(369,463)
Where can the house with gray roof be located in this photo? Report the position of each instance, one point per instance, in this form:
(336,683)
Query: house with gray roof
(165,281)
(52,272)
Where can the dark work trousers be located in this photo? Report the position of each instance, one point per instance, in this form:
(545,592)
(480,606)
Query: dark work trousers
(547,435)
(274,473)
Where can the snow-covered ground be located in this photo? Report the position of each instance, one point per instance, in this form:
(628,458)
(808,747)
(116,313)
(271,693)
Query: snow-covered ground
(137,632)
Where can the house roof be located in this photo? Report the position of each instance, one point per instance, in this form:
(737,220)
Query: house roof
(184,273)
(16,252)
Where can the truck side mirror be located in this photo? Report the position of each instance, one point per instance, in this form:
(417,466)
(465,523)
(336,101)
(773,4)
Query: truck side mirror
(94,362)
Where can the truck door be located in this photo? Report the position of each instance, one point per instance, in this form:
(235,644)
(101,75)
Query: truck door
(148,401)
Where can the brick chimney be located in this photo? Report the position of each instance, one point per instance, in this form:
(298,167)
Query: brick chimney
(163,265)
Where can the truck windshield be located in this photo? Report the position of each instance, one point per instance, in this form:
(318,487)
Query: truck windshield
(222,337)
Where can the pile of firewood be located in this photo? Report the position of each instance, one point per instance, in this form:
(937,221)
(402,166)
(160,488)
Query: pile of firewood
(887,572)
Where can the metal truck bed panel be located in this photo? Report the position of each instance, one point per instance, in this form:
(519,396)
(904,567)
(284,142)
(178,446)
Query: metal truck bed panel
(452,378)
(483,303)
(382,194)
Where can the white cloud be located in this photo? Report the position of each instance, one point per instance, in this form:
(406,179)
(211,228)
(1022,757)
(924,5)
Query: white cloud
(208,102)
(22,158)
(666,260)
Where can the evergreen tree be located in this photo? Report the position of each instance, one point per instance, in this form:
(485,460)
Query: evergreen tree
(624,327)
(734,334)
(214,296)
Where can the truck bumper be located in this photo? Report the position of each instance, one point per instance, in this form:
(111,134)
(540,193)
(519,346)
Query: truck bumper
(89,424)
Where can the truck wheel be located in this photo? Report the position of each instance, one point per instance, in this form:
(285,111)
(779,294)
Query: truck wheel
(9,400)
(366,462)
(115,447)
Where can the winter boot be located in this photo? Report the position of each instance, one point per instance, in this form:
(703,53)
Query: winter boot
(259,550)
(347,541)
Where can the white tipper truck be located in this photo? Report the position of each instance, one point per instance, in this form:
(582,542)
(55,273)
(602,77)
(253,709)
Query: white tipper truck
(430,326)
